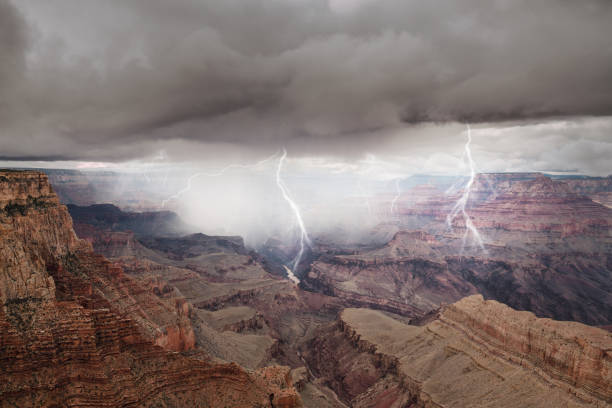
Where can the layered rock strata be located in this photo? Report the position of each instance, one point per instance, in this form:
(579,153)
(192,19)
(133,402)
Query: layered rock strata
(75,331)
(476,353)
(547,249)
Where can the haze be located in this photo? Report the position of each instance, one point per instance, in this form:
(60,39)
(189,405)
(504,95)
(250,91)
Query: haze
(360,93)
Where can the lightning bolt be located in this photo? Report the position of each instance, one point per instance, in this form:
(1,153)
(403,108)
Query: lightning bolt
(304,239)
(398,193)
(459,206)
(215,174)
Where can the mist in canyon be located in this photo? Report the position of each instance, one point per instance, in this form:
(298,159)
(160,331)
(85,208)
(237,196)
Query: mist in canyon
(305,203)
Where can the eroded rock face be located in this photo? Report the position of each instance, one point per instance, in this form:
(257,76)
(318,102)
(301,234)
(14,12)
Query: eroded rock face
(239,310)
(34,230)
(76,331)
(599,189)
(475,353)
(110,218)
(570,352)
(543,205)
(547,249)
(359,375)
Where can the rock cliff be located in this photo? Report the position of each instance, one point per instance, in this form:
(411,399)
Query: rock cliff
(475,353)
(547,249)
(75,331)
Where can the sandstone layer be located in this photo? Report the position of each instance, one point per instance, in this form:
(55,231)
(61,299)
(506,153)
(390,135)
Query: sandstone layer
(76,331)
(476,353)
(546,249)
(238,310)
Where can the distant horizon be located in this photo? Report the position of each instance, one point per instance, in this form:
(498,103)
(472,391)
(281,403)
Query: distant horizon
(553,173)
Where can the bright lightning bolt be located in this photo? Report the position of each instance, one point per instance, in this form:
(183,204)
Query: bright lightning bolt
(304,239)
(459,206)
(215,174)
(397,196)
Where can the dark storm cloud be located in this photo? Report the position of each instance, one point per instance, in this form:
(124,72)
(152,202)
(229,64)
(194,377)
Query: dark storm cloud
(13,42)
(104,80)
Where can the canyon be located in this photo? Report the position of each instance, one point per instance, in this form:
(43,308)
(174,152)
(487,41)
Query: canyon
(78,331)
(473,353)
(547,249)
(108,307)
(239,309)
(305,204)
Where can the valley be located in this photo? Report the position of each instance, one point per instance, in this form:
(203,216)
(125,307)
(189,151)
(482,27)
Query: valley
(372,326)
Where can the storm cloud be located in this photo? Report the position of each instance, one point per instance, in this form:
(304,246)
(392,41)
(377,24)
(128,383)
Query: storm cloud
(113,80)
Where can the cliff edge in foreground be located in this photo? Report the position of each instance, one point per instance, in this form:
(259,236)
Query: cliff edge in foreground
(67,341)
(475,353)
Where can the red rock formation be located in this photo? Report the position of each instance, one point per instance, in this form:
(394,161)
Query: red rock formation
(212,274)
(526,202)
(253,324)
(598,189)
(569,352)
(352,367)
(412,276)
(542,205)
(547,250)
(76,331)
(408,276)
(475,353)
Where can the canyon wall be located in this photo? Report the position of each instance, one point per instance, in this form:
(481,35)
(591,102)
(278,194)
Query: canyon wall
(547,249)
(76,331)
(472,353)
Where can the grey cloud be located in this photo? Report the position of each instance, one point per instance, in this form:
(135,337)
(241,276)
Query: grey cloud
(13,43)
(293,72)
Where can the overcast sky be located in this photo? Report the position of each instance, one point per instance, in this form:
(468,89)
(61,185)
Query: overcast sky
(382,86)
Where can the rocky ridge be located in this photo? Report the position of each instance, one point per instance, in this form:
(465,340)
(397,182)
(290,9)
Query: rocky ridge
(547,249)
(239,310)
(76,331)
(475,353)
